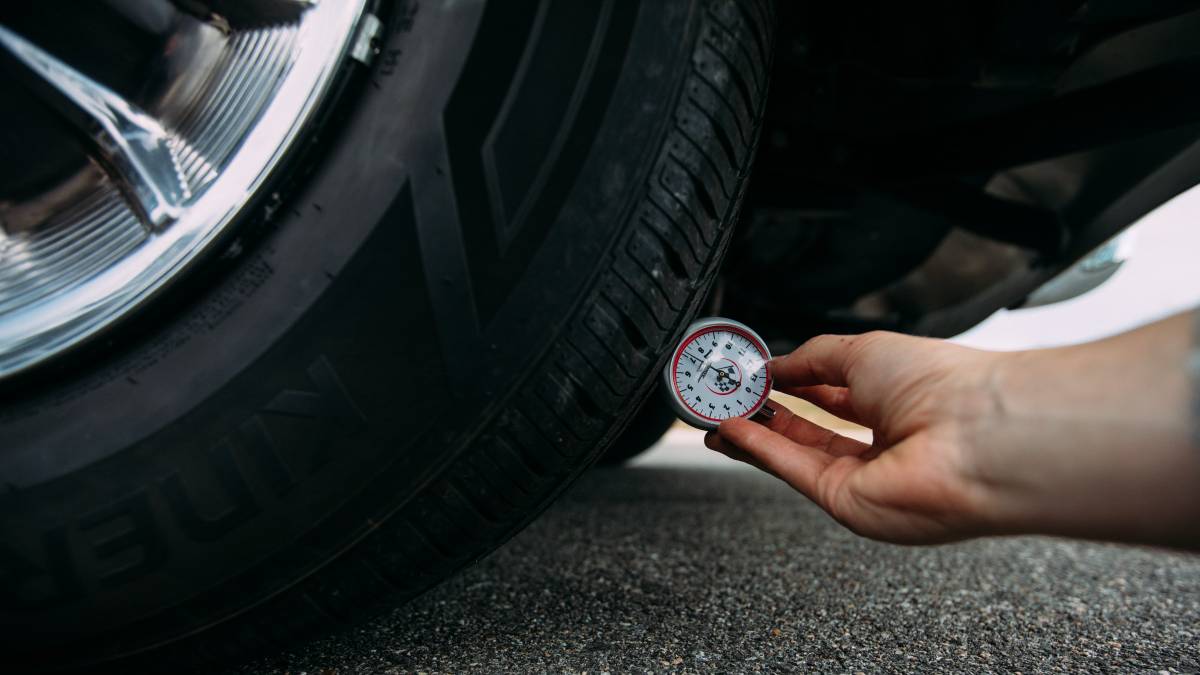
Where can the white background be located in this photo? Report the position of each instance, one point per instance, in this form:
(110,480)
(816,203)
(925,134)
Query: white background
(1161,277)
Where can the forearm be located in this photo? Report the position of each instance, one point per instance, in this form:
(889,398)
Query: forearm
(1194,374)
(1097,440)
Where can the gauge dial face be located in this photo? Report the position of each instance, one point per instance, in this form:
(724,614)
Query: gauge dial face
(719,371)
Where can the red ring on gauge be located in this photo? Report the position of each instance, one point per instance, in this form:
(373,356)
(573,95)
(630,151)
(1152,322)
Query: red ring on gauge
(717,328)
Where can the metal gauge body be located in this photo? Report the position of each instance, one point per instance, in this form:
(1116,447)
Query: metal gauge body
(718,371)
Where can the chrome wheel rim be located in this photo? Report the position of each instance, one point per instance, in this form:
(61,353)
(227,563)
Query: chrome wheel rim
(166,175)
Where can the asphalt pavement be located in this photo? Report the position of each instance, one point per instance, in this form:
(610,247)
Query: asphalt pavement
(686,563)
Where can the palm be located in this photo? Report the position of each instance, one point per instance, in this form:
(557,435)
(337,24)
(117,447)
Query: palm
(908,485)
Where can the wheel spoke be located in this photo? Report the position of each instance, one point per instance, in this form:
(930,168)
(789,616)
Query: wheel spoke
(139,134)
(133,147)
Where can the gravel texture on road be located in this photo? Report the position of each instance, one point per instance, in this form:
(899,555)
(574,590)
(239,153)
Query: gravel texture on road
(727,570)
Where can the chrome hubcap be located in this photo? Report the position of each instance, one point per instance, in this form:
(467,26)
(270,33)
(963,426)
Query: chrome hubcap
(162,173)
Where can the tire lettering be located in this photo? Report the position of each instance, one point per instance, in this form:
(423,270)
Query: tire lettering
(125,533)
(256,443)
(123,541)
(329,403)
(197,525)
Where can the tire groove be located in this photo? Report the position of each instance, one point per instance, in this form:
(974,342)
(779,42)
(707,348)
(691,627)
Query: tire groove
(562,422)
(707,159)
(733,112)
(649,310)
(537,428)
(684,208)
(702,194)
(431,546)
(512,445)
(469,500)
(671,256)
(656,283)
(604,344)
(739,82)
(597,411)
(755,30)
(678,227)
(384,579)
(719,134)
(589,364)
(716,19)
(513,480)
(766,9)
(633,332)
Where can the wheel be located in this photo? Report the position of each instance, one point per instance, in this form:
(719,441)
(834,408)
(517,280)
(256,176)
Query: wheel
(399,353)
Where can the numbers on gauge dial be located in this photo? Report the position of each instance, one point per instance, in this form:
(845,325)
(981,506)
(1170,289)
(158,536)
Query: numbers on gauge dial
(720,373)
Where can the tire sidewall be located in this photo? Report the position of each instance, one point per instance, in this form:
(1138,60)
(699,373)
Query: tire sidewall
(279,409)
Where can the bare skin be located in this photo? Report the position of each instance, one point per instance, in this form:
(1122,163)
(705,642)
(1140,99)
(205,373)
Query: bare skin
(1092,441)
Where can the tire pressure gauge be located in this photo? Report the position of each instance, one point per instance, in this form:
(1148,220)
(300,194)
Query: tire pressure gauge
(718,371)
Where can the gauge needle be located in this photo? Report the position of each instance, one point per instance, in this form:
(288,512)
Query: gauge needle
(713,357)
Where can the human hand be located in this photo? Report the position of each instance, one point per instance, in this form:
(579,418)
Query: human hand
(914,483)
(1093,440)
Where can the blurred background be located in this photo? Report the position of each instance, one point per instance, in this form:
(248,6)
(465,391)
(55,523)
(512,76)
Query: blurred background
(1159,279)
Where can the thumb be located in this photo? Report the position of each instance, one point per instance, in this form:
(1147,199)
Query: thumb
(825,359)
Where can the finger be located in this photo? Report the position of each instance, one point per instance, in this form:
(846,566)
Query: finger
(714,441)
(800,466)
(799,430)
(833,400)
(824,359)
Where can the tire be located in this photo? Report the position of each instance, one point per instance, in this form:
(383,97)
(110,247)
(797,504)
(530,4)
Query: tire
(446,322)
(648,425)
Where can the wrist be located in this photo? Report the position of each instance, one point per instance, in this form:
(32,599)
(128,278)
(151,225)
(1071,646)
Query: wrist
(1092,441)
(995,432)
(1194,373)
